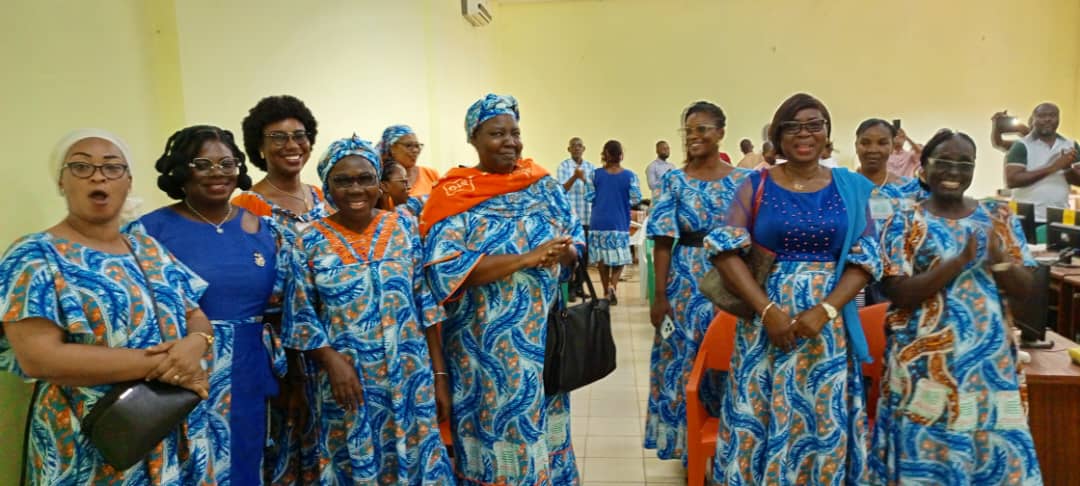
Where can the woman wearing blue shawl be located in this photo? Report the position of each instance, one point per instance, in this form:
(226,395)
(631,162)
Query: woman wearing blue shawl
(794,411)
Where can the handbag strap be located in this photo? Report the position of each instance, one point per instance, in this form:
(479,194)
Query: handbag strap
(758,193)
(584,275)
(26,433)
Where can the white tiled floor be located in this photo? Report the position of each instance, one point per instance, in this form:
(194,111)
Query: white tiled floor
(609,416)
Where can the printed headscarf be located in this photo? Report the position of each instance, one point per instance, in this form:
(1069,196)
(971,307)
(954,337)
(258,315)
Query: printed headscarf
(487,108)
(390,136)
(341,149)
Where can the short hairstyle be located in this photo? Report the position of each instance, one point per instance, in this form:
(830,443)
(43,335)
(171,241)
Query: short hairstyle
(269,110)
(613,149)
(787,111)
(873,122)
(182,147)
(388,169)
(658,142)
(709,109)
(942,136)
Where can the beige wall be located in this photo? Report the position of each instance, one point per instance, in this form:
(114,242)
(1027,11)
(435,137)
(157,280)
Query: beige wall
(626,69)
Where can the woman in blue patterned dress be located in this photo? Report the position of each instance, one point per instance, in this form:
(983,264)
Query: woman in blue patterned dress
(361,310)
(693,200)
(76,307)
(615,190)
(394,184)
(279,132)
(793,411)
(244,258)
(892,193)
(951,408)
(496,237)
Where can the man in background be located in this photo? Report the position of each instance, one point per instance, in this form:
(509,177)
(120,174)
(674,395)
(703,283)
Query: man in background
(657,168)
(576,176)
(1039,167)
(750,159)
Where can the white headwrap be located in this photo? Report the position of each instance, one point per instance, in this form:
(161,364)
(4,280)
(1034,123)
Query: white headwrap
(56,162)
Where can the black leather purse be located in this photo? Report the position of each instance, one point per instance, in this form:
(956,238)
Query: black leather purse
(130,420)
(579,347)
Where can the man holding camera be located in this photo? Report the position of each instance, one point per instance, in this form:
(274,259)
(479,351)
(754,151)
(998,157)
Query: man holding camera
(1040,166)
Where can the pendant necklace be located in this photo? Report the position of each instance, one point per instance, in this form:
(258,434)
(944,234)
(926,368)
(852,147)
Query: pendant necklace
(211,223)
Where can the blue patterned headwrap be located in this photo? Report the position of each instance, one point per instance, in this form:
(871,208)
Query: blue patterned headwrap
(487,108)
(390,136)
(341,149)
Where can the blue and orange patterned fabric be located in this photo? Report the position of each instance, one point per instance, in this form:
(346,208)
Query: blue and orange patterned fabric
(101,299)
(795,417)
(685,205)
(952,408)
(365,296)
(505,429)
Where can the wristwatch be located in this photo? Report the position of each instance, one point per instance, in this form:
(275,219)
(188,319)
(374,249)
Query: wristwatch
(829,310)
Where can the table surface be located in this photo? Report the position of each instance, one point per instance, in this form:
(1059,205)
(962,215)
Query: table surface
(1053,365)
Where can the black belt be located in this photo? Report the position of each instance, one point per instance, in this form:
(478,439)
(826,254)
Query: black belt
(692,238)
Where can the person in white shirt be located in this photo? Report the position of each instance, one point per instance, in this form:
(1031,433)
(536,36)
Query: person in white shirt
(657,168)
(750,158)
(827,159)
(1040,167)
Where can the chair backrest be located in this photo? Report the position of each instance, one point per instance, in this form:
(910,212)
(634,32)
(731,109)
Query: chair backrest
(873,323)
(719,342)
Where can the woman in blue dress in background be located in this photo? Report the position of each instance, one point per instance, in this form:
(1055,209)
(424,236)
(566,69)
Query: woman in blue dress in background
(693,200)
(244,259)
(616,189)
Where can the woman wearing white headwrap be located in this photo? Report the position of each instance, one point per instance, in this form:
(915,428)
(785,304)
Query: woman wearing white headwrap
(78,314)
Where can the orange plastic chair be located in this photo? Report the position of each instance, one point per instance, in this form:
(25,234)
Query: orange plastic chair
(701,429)
(873,323)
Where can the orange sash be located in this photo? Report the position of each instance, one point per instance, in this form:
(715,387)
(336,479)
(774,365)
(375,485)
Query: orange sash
(462,189)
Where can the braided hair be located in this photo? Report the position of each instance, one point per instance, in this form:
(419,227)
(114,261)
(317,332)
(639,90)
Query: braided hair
(182,147)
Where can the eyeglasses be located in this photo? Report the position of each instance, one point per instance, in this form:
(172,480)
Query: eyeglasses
(700,129)
(83,170)
(412,146)
(812,126)
(227,165)
(948,165)
(347,182)
(279,139)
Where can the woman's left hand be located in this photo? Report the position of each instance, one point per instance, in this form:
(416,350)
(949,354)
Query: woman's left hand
(995,250)
(809,323)
(182,361)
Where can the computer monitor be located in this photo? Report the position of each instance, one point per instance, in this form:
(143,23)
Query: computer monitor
(1025,212)
(1055,215)
(1030,313)
(1062,236)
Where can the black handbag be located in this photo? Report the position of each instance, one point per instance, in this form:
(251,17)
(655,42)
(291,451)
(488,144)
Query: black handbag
(130,420)
(759,261)
(579,347)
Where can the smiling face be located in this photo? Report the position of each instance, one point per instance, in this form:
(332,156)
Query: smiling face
(96,198)
(397,186)
(873,148)
(406,150)
(950,169)
(498,144)
(806,144)
(214,185)
(354,187)
(286,158)
(702,134)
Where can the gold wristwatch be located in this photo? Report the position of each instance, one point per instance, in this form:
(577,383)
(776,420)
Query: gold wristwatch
(829,310)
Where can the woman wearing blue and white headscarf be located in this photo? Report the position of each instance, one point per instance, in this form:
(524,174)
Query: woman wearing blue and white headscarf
(400,144)
(498,239)
(361,309)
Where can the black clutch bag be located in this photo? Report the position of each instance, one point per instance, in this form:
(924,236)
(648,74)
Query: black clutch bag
(130,420)
(579,349)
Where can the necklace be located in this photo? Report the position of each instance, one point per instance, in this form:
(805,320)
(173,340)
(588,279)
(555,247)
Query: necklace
(798,186)
(217,226)
(300,198)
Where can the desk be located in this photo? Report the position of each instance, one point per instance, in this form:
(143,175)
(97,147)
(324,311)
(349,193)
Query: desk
(1054,415)
(1064,292)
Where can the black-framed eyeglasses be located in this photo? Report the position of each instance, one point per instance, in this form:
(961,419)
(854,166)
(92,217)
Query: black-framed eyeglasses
(813,126)
(412,145)
(346,182)
(227,165)
(948,165)
(279,139)
(699,130)
(84,170)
